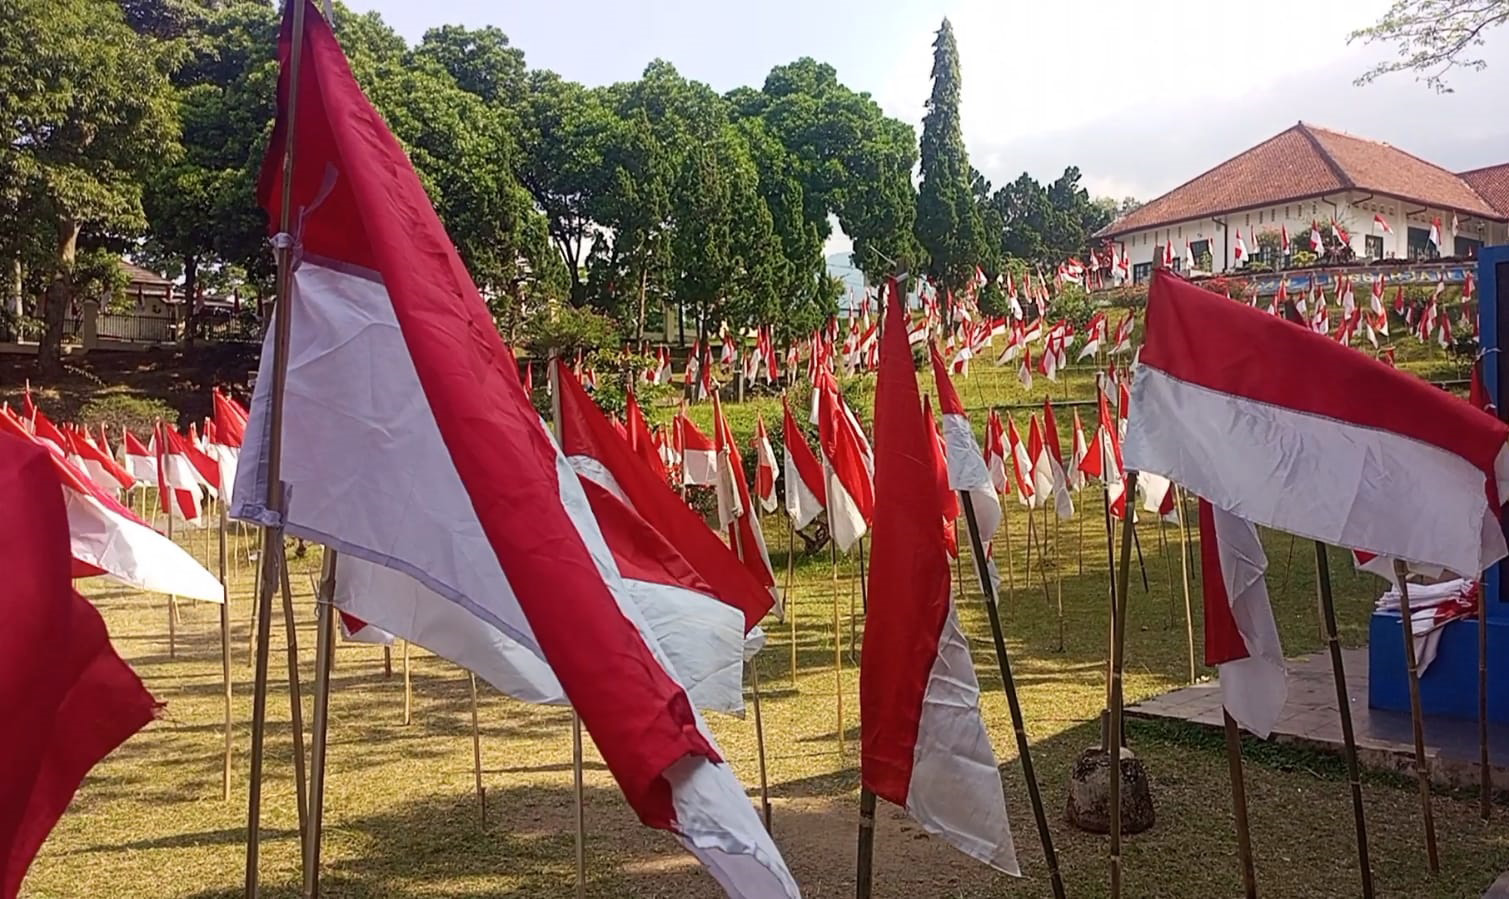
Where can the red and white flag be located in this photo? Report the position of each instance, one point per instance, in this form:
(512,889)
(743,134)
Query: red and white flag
(736,511)
(1076,475)
(140,461)
(1024,372)
(924,745)
(1239,249)
(1241,637)
(1435,233)
(69,699)
(995,453)
(805,492)
(1123,342)
(1053,458)
(1283,237)
(1381,224)
(948,499)
(699,457)
(766,471)
(1333,446)
(641,439)
(1316,243)
(966,466)
(848,464)
(388,330)
(1021,466)
(177,480)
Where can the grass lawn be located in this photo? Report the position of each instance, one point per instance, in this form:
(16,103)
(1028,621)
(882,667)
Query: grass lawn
(402,818)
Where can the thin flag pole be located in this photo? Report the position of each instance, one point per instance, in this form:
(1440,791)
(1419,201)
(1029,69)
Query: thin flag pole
(1239,804)
(790,597)
(255,618)
(295,694)
(1118,651)
(387,661)
(1184,554)
(1006,540)
(1013,703)
(477,752)
(1485,797)
(1031,539)
(754,681)
(1081,524)
(323,652)
(1417,717)
(838,649)
(225,660)
(408,688)
(1168,564)
(1137,543)
(864,874)
(1105,728)
(273,536)
(172,600)
(1348,738)
(1058,578)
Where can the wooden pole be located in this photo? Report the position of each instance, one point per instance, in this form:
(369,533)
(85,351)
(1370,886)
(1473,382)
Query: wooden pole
(254,614)
(408,688)
(759,721)
(323,651)
(838,649)
(581,800)
(1013,703)
(275,500)
(1417,717)
(1118,648)
(225,661)
(790,598)
(1184,554)
(477,752)
(172,600)
(1485,797)
(295,694)
(1081,525)
(1349,740)
(1058,577)
(1010,551)
(1239,805)
(1168,565)
(387,661)
(1105,718)
(865,871)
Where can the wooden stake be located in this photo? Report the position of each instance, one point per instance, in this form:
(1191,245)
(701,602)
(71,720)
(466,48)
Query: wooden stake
(1184,557)
(1013,703)
(759,721)
(1105,718)
(1168,565)
(790,598)
(1485,798)
(1058,577)
(274,499)
(865,873)
(225,661)
(1118,648)
(324,646)
(581,802)
(387,661)
(1349,740)
(838,649)
(408,688)
(172,600)
(1006,541)
(1239,805)
(1417,717)
(1081,524)
(477,752)
(295,693)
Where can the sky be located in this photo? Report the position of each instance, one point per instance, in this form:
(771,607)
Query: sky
(1140,96)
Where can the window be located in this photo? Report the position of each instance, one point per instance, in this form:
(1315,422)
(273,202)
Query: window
(1374,246)
(1420,246)
(1466,246)
(1200,249)
(1141,272)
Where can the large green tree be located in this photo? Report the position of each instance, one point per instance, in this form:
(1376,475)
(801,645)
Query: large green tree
(86,111)
(948,221)
(1432,38)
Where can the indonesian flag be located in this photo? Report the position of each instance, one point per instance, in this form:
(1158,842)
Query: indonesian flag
(139,461)
(1168,254)
(1075,475)
(947,499)
(1095,332)
(506,559)
(1021,466)
(1124,331)
(1241,637)
(1053,458)
(1375,300)
(804,474)
(736,512)
(766,471)
(699,457)
(1239,250)
(102,470)
(995,453)
(69,698)
(1024,372)
(641,440)
(1381,224)
(43,427)
(1316,243)
(109,539)
(966,466)
(177,481)
(923,742)
(1158,495)
(1283,237)
(1435,233)
(1333,446)
(1042,471)
(227,435)
(663,371)
(693,366)
(1103,460)
(847,462)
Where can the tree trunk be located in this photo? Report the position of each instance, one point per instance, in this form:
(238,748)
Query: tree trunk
(191,297)
(58,298)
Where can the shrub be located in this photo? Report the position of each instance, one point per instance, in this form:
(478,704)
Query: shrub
(122,410)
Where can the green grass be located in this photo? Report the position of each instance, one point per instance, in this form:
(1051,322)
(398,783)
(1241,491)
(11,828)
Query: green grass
(402,819)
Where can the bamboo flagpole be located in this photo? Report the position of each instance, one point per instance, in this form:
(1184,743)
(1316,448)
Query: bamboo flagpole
(1111,591)
(754,675)
(408,688)
(295,693)
(1417,716)
(1118,648)
(272,537)
(1006,542)
(1485,792)
(790,597)
(838,649)
(225,661)
(1348,738)
(1168,565)
(1239,804)
(477,752)
(323,653)
(1184,556)
(581,805)
(865,864)
(1058,578)
(1013,703)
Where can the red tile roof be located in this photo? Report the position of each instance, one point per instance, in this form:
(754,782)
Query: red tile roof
(1492,184)
(1303,162)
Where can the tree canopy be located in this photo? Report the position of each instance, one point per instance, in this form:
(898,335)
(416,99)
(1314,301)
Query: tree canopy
(1432,38)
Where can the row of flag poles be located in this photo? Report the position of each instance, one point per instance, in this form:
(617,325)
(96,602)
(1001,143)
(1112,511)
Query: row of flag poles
(613,597)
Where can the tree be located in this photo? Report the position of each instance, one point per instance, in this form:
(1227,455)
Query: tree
(948,223)
(1432,37)
(86,110)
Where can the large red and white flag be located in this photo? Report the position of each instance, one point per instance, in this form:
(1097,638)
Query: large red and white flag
(736,512)
(923,742)
(848,463)
(399,387)
(178,481)
(967,470)
(1241,637)
(69,699)
(1053,458)
(641,440)
(104,471)
(229,433)
(1333,445)
(805,490)
(766,471)
(699,458)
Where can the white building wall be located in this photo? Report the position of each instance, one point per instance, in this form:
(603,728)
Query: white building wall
(1354,211)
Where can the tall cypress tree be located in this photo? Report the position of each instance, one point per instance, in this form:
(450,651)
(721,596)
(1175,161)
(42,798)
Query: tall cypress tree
(948,222)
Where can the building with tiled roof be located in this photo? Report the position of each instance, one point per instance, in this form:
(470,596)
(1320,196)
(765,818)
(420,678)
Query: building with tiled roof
(1307,175)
